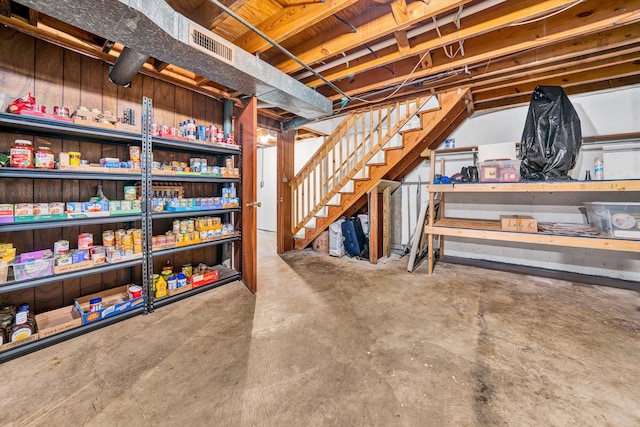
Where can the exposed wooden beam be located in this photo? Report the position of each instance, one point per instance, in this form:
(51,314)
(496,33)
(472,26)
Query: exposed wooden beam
(400,12)
(33,17)
(71,43)
(290,21)
(403,43)
(159,65)
(318,50)
(523,99)
(570,78)
(483,50)
(214,15)
(481,26)
(559,68)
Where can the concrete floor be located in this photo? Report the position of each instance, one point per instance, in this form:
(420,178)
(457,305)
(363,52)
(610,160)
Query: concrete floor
(340,342)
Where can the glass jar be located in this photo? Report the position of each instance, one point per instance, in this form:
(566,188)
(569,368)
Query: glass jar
(44,158)
(21,154)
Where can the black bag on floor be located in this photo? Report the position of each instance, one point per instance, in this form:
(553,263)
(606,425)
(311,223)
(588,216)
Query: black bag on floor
(355,242)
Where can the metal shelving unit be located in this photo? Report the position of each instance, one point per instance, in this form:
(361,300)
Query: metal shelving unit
(218,241)
(101,268)
(66,335)
(78,222)
(67,174)
(185,178)
(194,147)
(158,215)
(44,127)
(38,126)
(226,276)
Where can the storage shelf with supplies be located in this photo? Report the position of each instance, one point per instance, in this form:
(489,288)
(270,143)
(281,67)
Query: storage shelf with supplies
(441,226)
(74,184)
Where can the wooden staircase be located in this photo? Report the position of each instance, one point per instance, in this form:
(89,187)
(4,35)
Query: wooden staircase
(369,145)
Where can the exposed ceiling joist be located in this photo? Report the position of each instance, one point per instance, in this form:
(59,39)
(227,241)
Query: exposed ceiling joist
(319,50)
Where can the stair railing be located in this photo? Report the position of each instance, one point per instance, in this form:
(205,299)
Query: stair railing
(345,153)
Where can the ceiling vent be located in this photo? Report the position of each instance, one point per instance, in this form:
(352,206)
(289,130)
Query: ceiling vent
(211,44)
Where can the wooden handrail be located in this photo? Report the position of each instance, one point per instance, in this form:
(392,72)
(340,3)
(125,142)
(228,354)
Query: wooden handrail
(359,137)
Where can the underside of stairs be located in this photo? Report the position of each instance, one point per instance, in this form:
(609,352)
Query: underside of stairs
(394,159)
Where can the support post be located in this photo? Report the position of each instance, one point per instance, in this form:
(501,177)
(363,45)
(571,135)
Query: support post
(285,165)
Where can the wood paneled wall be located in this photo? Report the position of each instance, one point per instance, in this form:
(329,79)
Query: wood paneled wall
(55,76)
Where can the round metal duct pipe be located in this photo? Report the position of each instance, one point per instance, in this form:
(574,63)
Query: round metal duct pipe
(127,66)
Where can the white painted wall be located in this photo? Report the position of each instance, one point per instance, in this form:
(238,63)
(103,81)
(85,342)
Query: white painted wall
(603,113)
(267,188)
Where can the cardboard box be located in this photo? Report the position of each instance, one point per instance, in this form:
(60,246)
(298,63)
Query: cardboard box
(114,301)
(10,345)
(523,223)
(185,288)
(56,321)
(198,280)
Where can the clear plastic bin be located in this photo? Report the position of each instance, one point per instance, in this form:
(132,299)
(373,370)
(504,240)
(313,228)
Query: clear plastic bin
(33,269)
(617,219)
(499,171)
(4,270)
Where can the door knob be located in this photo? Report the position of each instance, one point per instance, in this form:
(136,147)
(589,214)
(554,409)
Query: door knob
(254,204)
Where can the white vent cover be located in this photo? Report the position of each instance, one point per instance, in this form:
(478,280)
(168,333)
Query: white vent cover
(211,44)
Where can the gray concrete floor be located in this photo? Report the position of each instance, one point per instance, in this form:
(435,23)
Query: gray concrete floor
(329,341)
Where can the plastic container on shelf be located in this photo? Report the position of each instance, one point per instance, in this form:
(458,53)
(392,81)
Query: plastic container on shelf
(44,158)
(499,171)
(21,153)
(4,270)
(33,269)
(616,219)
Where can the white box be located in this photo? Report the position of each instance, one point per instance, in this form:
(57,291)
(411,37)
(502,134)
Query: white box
(621,161)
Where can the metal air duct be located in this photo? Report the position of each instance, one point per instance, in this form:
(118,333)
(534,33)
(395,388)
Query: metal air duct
(153,28)
(127,66)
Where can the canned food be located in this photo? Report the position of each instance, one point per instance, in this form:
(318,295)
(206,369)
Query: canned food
(95,304)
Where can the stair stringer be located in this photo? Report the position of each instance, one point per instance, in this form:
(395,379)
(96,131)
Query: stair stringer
(453,105)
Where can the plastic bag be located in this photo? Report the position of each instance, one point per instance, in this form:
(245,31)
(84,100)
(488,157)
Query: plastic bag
(552,136)
(336,242)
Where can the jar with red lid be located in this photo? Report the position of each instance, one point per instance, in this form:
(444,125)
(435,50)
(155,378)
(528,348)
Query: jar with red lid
(21,154)
(44,158)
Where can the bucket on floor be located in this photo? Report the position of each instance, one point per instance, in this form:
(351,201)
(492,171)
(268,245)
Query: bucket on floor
(321,243)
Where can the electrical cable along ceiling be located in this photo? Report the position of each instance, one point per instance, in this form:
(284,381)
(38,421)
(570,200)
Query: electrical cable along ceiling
(152,28)
(310,59)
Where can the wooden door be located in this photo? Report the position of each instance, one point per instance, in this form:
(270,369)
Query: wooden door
(246,124)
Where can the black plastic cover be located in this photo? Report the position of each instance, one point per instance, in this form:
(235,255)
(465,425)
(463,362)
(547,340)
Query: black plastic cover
(552,136)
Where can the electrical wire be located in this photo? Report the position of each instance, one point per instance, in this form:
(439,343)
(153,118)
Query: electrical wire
(531,21)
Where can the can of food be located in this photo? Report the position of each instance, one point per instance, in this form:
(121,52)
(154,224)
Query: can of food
(134,153)
(74,158)
(95,304)
(134,291)
(187,269)
(176,226)
(164,130)
(60,111)
(202,133)
(64,259)
(61,247)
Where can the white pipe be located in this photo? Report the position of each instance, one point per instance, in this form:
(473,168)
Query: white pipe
(411,33)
